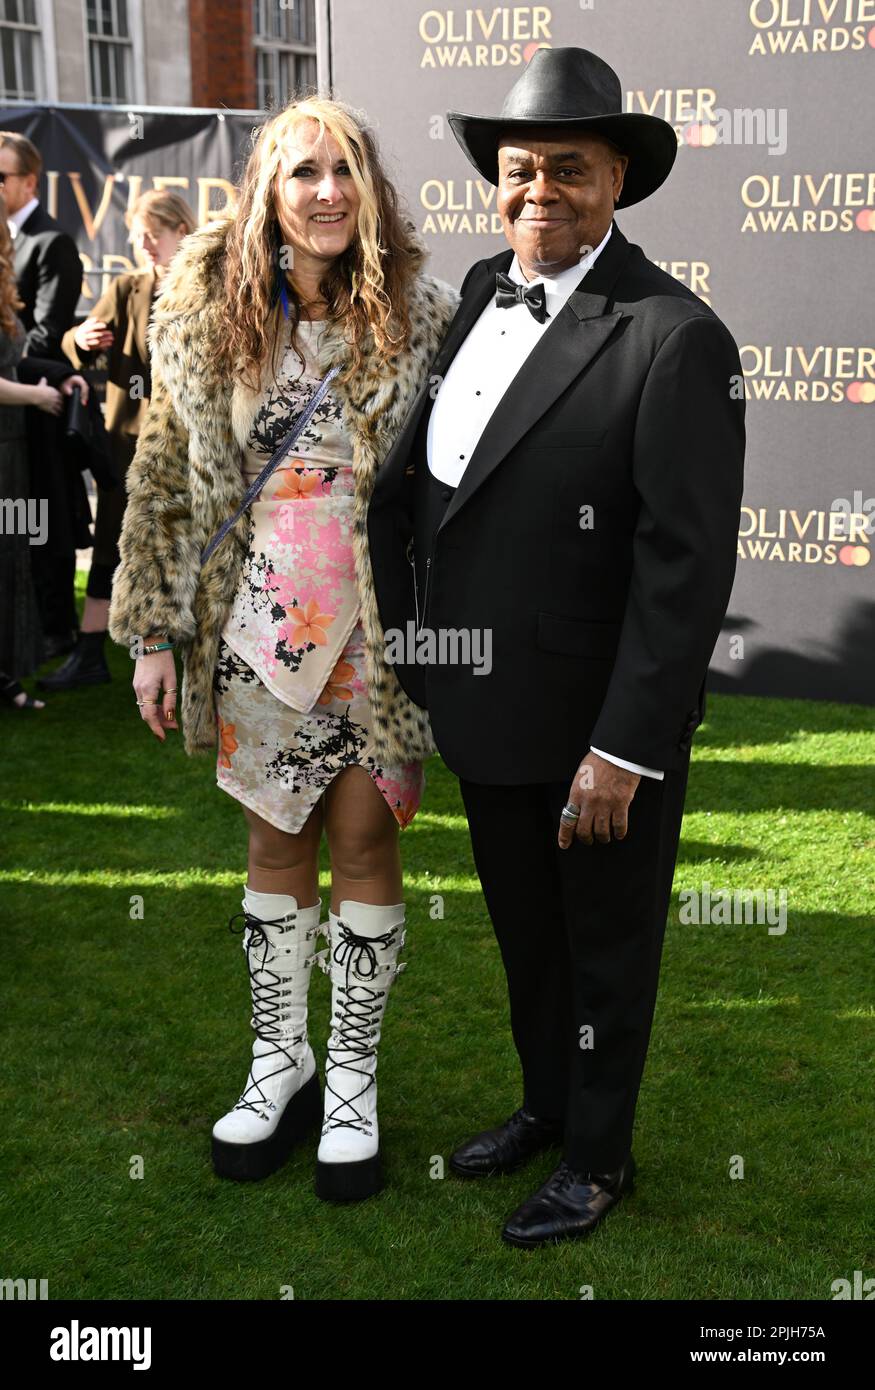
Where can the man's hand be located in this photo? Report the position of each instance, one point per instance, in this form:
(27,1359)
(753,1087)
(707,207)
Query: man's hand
(604,793)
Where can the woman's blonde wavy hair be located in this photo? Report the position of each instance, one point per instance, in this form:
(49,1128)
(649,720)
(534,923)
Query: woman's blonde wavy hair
(9,300)
(164,206)
(366,289)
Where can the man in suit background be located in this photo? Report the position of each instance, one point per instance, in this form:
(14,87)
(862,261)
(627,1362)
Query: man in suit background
(48,275)
(118,326)
(568,487)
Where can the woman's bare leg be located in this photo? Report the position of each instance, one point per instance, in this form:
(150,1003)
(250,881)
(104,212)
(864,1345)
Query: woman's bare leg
(96,615)
(283,863)
(362,841)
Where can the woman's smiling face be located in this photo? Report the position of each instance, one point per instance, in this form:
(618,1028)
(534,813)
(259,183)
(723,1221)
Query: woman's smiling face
(316,198)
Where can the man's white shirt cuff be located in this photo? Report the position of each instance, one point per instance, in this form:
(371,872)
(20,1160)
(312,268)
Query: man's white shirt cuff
(630,767)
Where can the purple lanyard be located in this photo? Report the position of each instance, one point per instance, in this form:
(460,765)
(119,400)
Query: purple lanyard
(255,487)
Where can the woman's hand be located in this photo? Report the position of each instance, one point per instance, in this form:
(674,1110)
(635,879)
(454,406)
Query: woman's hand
(155,684)
(46,398)
(75,380)
(93,336)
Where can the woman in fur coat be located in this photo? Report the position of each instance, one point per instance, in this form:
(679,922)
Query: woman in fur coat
(285,679)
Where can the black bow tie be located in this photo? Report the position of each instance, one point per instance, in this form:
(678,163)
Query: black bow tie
(508,292)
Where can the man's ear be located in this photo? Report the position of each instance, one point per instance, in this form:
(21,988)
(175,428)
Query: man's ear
(623,161)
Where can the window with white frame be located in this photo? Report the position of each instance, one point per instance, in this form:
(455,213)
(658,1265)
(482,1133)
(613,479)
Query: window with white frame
(284,35)
(20,53)
(110,51)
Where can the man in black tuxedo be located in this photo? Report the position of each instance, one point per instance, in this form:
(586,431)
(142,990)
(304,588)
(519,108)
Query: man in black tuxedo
(568,487)
(48,274)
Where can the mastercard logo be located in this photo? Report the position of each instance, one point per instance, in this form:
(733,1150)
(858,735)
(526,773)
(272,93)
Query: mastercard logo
(861,392)
(531,48)
(855,555)
(871,38)
(866,220)
(700,136)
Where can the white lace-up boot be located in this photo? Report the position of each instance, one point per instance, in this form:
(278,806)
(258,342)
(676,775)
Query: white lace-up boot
(282,1099)
(361,959)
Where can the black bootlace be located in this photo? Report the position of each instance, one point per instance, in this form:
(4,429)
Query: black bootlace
(564,1177)
(266,1006)
(356,1008)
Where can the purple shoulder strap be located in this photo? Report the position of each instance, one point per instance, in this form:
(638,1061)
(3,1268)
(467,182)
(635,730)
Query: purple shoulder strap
(255,487)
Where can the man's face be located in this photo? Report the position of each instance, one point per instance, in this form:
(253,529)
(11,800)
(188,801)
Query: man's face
(18,188)
(556,195)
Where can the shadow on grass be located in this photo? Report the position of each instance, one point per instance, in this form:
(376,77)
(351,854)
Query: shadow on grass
(734,721)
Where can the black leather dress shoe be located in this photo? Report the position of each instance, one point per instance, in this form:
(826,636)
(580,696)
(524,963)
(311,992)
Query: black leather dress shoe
(568,1206)
(86,665)
(503,1149)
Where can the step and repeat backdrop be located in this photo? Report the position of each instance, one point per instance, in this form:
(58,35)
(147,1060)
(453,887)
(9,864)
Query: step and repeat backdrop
(768,215)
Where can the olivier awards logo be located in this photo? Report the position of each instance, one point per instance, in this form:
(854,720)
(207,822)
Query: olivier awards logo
(696,275)
(822,202)
(687,109)
(788,27)
(503,36)
(459,206)
(788,535)
(819,375)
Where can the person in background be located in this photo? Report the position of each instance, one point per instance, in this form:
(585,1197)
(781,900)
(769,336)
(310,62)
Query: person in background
(21,637)
(158,221)
(48,273)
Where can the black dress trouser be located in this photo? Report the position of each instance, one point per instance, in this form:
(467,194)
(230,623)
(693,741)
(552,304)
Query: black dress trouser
(58,485)
(580,932)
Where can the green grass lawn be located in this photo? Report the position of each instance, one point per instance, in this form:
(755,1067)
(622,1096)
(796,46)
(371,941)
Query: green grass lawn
(130,1037)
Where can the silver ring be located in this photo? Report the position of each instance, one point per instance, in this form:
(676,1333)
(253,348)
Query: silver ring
(570,813)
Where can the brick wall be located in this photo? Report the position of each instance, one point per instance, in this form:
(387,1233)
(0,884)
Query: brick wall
(222,56)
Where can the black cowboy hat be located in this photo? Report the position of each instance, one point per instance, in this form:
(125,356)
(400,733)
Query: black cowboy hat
(573,89)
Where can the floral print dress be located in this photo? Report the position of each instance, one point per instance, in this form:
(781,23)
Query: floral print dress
(290,681)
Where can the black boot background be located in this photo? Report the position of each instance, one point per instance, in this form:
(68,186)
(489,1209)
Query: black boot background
(86,665)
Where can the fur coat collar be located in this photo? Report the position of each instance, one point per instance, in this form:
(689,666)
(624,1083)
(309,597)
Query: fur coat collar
(186,479)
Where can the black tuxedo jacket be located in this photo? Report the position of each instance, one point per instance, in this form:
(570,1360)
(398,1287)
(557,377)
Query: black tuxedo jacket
(48,274)
(601,633)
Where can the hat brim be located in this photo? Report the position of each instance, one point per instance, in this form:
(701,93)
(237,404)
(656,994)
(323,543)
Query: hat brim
(650,142)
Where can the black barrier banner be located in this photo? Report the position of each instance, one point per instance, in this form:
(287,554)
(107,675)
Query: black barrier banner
(98,160)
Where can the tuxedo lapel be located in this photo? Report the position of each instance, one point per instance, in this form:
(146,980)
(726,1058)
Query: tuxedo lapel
(23,245)
(31,226)
(581,329)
